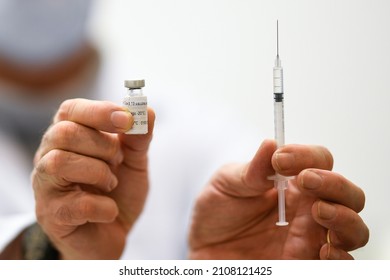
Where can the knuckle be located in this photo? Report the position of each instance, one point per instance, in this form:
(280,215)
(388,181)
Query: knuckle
(77,212)
(85,207)
(63,215)
(51,163)
(46,138)
(65,110)
(102,175)
(46,135)
(63,134)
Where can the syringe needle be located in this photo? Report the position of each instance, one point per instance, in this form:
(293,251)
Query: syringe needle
(277,38)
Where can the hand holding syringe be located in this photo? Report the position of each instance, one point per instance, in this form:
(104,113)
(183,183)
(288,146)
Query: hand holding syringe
(280,181)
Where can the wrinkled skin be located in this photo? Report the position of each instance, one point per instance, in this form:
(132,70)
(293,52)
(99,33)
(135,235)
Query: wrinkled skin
(90,180)
(235,215)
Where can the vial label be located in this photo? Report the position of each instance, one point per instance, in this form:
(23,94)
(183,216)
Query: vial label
(137,106)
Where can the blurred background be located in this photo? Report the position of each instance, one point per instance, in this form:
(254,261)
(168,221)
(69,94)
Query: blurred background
(335,58)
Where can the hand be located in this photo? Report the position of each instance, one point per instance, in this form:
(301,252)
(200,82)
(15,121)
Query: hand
(234,217)
(90,180)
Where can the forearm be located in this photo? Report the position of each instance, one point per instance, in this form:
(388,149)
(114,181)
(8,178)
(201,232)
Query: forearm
(14,250)
(31,244)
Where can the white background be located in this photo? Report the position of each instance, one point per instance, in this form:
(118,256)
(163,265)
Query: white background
(335,56)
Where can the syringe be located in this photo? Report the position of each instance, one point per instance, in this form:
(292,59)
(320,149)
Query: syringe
(280,182)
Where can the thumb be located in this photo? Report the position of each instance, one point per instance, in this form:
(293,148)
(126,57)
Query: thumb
(135,147)
(248,180)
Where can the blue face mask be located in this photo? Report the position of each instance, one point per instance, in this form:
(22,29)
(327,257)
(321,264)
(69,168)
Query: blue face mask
(41,32)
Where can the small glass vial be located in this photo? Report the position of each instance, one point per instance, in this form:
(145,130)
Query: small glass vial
(137,105)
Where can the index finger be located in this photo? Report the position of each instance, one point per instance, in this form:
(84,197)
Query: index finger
(290,160)
(100,115)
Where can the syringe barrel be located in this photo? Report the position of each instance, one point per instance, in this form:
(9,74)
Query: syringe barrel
(278,81)
(278,103)
(279,123)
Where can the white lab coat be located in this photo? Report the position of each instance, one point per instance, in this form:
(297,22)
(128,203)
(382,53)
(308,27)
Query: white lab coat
(16,199)
(191,140)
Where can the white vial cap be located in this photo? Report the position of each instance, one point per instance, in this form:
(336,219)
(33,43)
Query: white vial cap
(132,84)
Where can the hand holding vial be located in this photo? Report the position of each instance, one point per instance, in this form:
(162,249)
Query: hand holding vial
(90,177)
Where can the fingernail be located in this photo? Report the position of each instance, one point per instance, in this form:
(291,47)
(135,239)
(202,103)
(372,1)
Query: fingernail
(333,253)
(284,161)
(325,210)
(311,180)
(122,120)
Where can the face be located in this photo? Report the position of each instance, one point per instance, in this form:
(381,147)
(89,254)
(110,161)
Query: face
(40,32)
(36,33)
